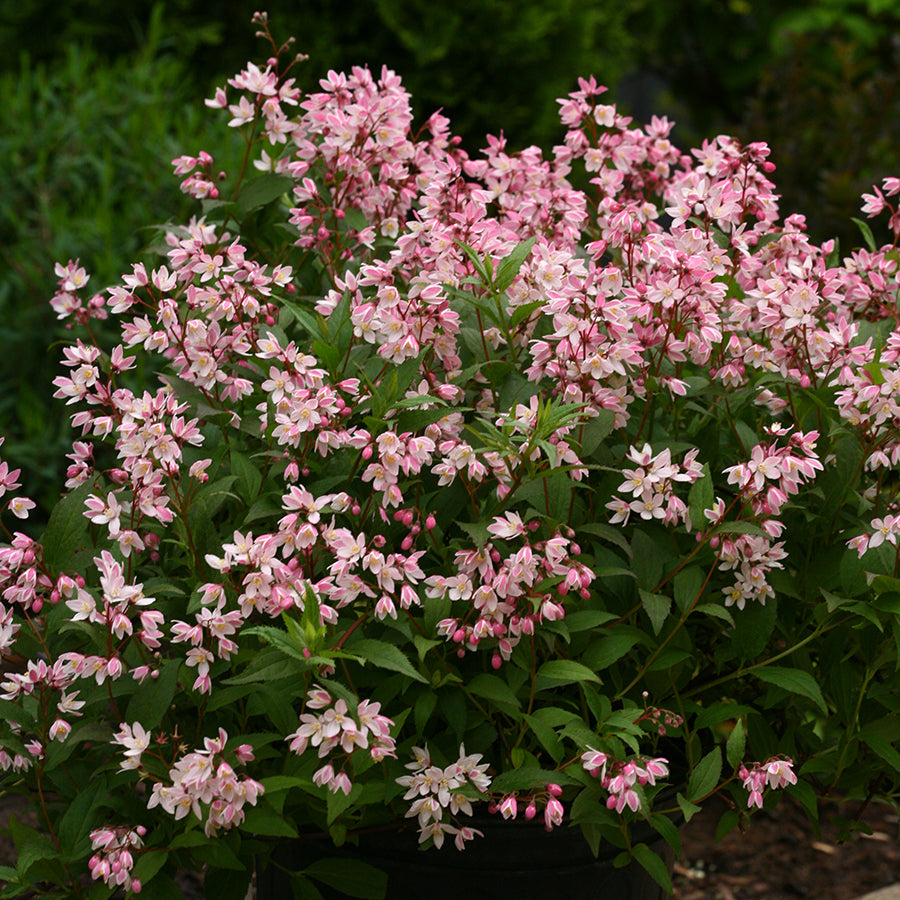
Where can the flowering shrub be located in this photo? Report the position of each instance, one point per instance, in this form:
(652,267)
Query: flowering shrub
(460,492)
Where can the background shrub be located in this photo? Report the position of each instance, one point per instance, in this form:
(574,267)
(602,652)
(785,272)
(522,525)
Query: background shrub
(98,98)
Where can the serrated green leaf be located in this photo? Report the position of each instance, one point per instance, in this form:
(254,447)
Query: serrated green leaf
(492,688)
(687,586)
(794,681)
(700,497)
(263,819)
(249,478)
(866,232)
(739,528)
(509,266)
(261,190)
(705,776)
(587,619)
(654,865)
(736,744)
(149,707)
(226,884)
(385,656)
(657,607)
(605,651)
(148,864)
(67,529)
(352,877)
(717,612)
(556,672)
(77,820)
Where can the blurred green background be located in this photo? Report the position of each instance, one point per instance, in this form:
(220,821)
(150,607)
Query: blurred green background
(96,98)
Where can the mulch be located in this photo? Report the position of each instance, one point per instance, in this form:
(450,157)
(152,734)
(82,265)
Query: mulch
(779,856)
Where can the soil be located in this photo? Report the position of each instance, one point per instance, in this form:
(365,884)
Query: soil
(778,856)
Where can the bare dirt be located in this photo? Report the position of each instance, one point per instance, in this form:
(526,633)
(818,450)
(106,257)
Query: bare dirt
(779,856)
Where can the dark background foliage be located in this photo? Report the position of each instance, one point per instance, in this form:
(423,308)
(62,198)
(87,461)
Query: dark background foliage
(97,98)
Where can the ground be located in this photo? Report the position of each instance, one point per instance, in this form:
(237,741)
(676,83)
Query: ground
(779,857)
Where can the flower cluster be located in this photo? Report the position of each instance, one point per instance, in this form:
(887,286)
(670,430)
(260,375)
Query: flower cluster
(435,791)
(334,729)
(546,795)
(205,783)
(114,858)
(775,773)
(651,485)
(621,777)
(502,596)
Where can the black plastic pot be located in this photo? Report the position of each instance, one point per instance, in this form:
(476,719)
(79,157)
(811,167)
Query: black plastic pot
(515,859)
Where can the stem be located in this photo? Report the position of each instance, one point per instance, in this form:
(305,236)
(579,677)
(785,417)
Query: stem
(765,662)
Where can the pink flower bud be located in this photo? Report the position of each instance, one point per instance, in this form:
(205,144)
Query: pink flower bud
(430,522)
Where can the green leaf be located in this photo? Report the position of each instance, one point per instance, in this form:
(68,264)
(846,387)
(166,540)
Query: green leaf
(737,743)
(647,560)
(609,533)
(653,864)
(415,420)
(705,776)
(740,527)
(423,709)
(67,529)
(547,736)
(688,809)
(521,313)
(866,232)
(477,264)
(593,432)
(275,783)
(226,884)
(881,737)
(149,707)
(264,819)
(528,777)
(717,612)
(687,586)
(149,863)
(700,497)
(794,681)
(289,644)
(270,670)
(729,821)
(509,266)
(492,688)
(259,191)
(657,607)
(385,656)
(665,827)
(32,847)
(249,478)
(351,877)
(753,626)
(603,652)
(77,821)
(587,619)
(555,672)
